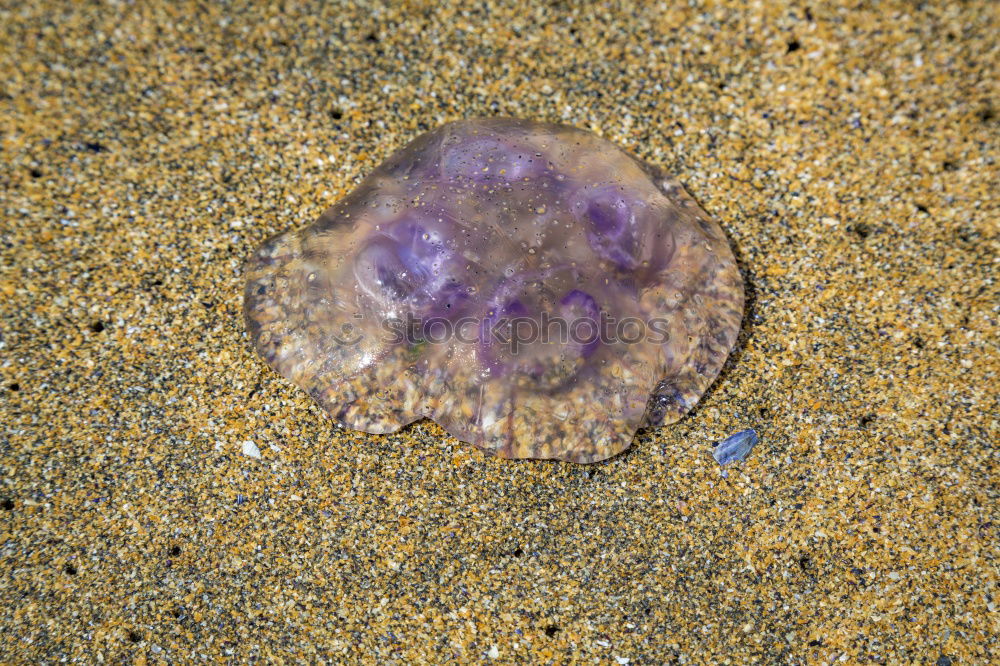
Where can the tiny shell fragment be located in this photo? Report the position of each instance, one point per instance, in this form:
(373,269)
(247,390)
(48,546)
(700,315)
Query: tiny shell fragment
(735,447)
(531,287)
(250,449)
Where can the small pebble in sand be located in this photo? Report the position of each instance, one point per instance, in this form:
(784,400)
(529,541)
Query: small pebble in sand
(250,449)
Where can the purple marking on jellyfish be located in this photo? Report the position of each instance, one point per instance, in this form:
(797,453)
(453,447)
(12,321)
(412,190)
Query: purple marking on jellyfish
(609,216)
(495,335)
(383,274)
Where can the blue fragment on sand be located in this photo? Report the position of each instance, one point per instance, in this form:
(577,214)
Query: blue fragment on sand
(735,447)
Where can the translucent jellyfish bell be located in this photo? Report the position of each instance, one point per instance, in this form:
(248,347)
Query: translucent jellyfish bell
(531,287)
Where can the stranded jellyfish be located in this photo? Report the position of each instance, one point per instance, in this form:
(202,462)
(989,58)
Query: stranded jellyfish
(532,288)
